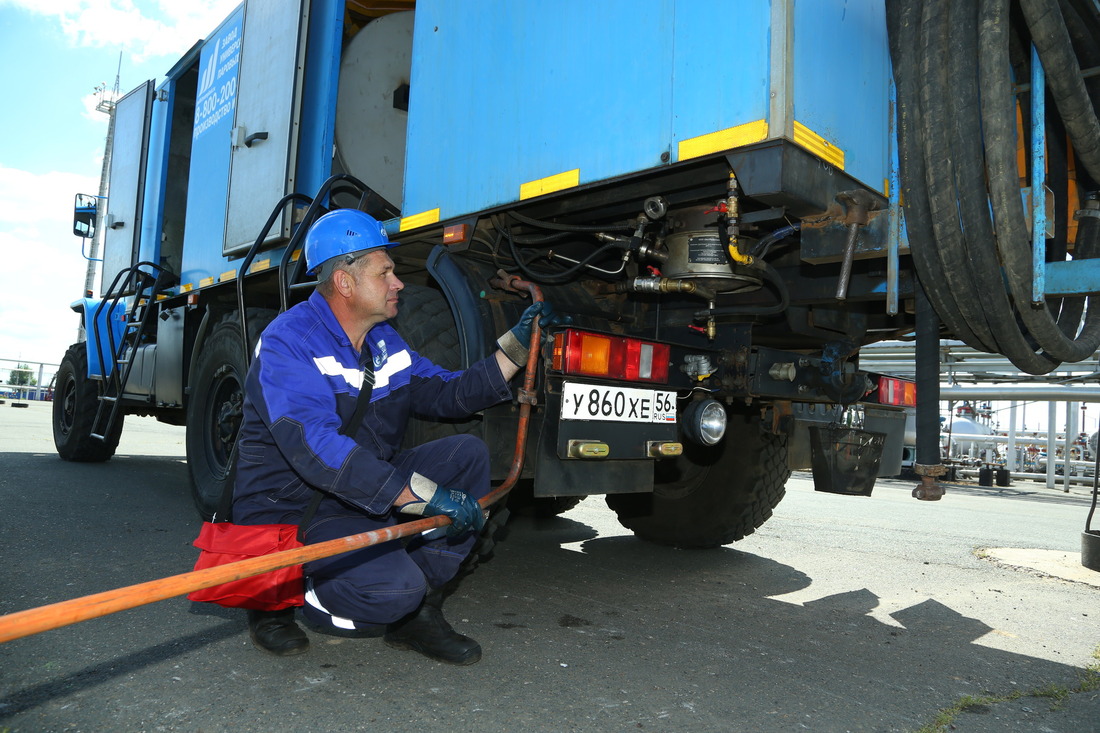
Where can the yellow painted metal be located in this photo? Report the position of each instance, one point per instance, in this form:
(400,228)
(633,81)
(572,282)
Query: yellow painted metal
(550,184)
(731,137)
(818,145)
(418,220)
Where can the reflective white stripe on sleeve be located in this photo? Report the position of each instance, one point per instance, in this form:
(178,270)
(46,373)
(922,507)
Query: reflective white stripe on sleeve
(396,362)
(328,366)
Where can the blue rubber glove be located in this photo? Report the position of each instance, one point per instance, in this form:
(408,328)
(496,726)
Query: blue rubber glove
(516,342)
(463,509)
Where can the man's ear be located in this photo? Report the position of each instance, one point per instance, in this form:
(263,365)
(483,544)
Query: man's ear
(343,282)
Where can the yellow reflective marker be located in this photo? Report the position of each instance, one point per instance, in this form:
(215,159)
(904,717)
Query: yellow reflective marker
(550,184)
(731,137)
(419,220)
(818,145)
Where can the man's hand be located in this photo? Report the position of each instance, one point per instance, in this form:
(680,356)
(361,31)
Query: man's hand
(463,509)
(422,496)
(516,342)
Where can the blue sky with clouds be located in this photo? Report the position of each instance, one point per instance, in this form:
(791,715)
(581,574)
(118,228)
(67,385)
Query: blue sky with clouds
(54,53)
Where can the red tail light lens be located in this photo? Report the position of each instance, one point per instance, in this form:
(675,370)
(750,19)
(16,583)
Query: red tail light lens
(610,357)
(899,392)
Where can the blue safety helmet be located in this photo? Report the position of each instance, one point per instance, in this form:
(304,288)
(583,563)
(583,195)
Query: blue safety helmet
(346,233)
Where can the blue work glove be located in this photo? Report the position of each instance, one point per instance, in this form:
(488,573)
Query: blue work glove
(432,500)
(516,342)
(463,509)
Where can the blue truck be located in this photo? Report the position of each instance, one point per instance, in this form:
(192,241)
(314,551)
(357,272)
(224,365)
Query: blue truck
(710,189)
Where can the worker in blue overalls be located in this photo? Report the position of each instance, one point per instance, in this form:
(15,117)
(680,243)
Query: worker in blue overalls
(311,364)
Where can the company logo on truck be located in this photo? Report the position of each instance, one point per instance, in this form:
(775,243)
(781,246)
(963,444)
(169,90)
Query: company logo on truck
(217,95)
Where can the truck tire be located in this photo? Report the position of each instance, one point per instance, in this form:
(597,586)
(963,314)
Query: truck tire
(711,497)
(215,407)
(424,320)
(75,403)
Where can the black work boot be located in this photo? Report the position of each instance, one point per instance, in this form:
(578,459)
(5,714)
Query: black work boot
(426,631)
(276,632)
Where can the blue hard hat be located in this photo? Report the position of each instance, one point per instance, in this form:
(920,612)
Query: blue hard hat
(346,232)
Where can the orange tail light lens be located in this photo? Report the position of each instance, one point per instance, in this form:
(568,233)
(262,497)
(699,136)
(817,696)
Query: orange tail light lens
(581,353)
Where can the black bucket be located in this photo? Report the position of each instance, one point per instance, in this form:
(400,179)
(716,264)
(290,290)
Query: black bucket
(845,460)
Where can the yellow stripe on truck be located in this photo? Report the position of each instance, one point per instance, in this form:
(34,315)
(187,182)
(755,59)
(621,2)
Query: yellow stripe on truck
(419,220)
(731,137)
(818,145)
(550,184)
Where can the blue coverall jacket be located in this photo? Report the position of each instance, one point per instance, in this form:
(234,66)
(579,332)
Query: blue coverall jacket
(303,384)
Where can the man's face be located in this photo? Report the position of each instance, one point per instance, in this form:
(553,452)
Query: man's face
(374,296)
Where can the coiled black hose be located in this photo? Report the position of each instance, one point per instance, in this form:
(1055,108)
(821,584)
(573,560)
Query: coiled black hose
(958,164)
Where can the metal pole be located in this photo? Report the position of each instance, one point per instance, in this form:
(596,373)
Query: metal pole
(1052,438)
(1071,433)
(1010,458)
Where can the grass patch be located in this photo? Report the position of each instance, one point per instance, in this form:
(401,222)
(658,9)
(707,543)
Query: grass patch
(1088,681)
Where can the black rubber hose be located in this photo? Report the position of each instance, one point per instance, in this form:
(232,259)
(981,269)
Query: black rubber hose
(1052,41)
(554,278)
(943,198)
(590,228)
(962,144)
(771,276)
(999,128)
(903,19)
(537,239)
(1082,19)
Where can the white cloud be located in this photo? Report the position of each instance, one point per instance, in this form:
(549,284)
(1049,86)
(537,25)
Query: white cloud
(90,101)
(145,28)
(41,270)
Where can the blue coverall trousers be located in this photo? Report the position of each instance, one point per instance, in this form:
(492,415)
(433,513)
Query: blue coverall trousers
(382,583)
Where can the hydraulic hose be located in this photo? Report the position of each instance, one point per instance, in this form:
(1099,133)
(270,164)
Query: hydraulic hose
(54,616)
(555,278)
(777,308)
(1013,243)
(958,164)
(1052,41)
(903,19)
(778,235)
(588,228)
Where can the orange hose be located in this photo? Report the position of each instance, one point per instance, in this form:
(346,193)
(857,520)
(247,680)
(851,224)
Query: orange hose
(54,616)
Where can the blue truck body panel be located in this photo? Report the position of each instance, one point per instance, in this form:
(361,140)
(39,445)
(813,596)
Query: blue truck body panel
(557,94)
(841,82)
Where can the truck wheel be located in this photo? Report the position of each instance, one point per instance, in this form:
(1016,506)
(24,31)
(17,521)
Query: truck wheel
(76,400)
(711,497)
(426,324)
(215,407)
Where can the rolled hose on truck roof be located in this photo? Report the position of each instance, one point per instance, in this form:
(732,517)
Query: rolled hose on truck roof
(54,616)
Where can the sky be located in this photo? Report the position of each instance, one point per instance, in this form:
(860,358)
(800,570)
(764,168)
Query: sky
(55,53)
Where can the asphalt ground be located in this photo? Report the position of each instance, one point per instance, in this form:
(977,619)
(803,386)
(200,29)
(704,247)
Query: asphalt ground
(839,614)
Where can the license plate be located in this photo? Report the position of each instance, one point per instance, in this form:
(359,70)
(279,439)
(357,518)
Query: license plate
(618,404)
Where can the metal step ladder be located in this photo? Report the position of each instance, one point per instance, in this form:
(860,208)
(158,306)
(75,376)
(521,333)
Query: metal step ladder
(142,287)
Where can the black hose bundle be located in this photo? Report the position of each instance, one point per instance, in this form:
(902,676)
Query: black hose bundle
(957,148)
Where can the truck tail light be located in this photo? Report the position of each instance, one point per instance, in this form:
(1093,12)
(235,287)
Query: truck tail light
(898,392)
(611,357)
